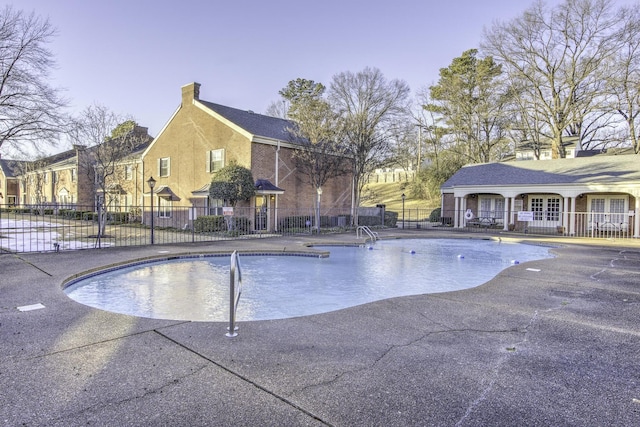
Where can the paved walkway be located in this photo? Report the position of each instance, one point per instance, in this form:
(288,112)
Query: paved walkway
(551,342)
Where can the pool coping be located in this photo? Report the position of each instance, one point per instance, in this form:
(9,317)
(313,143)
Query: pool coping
(71,280)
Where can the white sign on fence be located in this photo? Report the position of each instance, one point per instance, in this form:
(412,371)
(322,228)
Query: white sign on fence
(525,216)
(227,211)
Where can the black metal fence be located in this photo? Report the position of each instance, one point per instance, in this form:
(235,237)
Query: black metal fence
(604,225)
(53,228)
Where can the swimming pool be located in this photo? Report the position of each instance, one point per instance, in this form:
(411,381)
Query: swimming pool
(274,287)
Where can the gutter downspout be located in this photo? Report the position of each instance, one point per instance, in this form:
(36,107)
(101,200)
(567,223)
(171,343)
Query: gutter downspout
(277,178)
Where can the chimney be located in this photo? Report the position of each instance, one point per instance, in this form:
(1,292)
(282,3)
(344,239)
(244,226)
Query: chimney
(190,92)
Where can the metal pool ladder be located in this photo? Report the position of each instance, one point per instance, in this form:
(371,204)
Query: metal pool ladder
(362,229)
(235,289)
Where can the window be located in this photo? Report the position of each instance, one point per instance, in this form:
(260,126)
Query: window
(164,166)
(215,206)
(164,208)
(128,172)
(499,208)
(485,208)
(609,209)
(597,209)
(54,176)
(491,207)
(215,160)
(73,175)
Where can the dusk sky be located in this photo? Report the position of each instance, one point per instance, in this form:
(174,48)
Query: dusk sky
(133,56)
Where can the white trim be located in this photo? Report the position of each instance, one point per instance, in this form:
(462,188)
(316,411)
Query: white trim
(222,119)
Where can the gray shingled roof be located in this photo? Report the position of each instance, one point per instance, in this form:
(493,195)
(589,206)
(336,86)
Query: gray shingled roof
(597,169)
(11,167)
(256,124)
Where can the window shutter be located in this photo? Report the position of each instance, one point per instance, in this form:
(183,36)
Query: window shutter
(209,168)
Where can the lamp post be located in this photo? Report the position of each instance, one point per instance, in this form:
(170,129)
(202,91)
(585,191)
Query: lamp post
(402,210)
(318,211)
(152,183)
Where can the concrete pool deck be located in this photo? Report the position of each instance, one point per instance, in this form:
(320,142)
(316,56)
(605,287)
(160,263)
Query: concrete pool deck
(549,342)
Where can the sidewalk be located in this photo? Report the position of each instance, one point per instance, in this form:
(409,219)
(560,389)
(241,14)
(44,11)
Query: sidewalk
(550,342)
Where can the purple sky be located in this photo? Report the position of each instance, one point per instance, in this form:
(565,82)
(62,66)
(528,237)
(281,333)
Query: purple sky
(133,56)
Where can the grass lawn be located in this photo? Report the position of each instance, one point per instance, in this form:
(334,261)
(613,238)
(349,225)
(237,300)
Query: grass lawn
(390,194)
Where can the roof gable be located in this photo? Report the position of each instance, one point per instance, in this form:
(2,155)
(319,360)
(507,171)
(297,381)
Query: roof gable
(256,124)
(11,168)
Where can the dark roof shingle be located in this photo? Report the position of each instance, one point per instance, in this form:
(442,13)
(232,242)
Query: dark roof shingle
(256,124)
(597,169)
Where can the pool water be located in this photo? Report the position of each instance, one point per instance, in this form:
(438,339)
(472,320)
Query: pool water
(275,287)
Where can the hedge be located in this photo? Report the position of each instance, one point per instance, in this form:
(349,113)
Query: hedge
(214,223)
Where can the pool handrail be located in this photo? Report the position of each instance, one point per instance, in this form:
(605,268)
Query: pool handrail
(234,293)
(363,228)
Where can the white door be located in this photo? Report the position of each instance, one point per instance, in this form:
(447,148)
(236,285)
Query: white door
(547,210)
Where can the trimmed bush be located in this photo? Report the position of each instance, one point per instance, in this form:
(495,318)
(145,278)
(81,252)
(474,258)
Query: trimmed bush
(209,224)
(89,216)
(118,217)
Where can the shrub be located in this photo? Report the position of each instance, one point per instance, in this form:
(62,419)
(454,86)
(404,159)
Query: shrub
(390,219)
(209,224)
(369,220)
(435,215)
(118,217)
(89,216)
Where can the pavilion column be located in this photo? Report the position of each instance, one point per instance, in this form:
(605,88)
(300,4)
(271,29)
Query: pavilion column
(565,213)
(636,219)
(512,216)
(456,210)
(505,215)
(572,219)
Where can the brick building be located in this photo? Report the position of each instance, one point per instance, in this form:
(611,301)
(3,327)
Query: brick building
(70,179)
(202,137)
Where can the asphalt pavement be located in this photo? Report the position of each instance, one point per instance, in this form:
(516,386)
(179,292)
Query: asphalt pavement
(554,342)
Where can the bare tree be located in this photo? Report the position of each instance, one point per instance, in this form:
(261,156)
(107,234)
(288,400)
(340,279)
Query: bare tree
(30,109)
(110,139)
(368,106)
(559,55)
(625,84)
(277,109)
